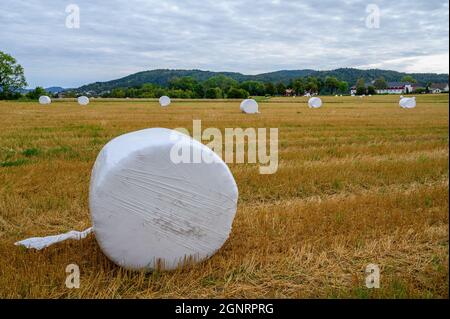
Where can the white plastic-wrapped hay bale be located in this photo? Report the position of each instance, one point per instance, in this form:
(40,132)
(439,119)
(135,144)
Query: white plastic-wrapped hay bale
(157,199)
(44,99)
(408,103)
(83,100)
(148,210)
(249,106)
(164,101)
(314,103)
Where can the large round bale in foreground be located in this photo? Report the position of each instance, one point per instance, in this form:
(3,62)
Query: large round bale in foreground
(164,100)
(408,103)
(155,205)
(314,103)
(249,106)
(44,99)
(83,100)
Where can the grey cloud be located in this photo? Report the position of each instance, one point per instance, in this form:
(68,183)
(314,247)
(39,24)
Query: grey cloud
(120,37)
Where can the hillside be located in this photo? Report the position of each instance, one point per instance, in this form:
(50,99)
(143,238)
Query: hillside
(162,77)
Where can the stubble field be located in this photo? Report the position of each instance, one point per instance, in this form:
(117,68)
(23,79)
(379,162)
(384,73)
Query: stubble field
(359,181)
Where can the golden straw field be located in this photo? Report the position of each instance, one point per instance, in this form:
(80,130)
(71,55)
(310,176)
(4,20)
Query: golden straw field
(359,181)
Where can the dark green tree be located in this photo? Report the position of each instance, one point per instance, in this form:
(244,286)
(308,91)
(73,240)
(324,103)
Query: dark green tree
(221,81)
(255,88)
(270,89)
(12,77)
(409,79)
(371,90)
(360,87)
(237,93)
(343,87)
(118,93)
(313,84)
(281,88)
(36,93)
(213,93)
(331,84)
(380,83)
(298,86)
(187,84)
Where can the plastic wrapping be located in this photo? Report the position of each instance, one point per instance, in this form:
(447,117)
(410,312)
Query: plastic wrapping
(44,99)
(148,211)
(83,100)
(249,106)
(43,242)
(164,100)
(314,102)
(408,103)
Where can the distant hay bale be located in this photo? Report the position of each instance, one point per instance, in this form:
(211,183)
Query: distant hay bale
(44,99)
(164,101)
(408,103)
(314,103)
(249,106)
(83,100)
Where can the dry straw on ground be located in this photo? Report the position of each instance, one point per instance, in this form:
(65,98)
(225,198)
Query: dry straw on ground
(360,181)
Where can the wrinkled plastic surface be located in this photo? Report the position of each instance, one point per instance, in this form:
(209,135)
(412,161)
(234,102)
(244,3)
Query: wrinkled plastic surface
(150,212)
(83,100)
(164,100)
(407,102)
(249,106)
(44,99)
(314,102)
(43,242)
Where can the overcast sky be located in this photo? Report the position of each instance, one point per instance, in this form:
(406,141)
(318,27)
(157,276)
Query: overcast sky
(117,38)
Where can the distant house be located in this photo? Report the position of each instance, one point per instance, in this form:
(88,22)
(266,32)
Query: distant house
(289,92)
(396,88)
(439,87)
(392,88)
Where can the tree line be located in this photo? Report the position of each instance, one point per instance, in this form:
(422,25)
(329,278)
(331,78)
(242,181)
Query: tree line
(221,86)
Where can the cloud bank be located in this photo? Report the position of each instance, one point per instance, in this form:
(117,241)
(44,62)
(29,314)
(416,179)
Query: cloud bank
(117,38)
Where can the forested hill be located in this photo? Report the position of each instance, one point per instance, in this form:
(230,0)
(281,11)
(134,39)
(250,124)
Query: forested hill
(350,75)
